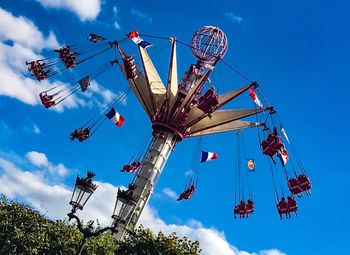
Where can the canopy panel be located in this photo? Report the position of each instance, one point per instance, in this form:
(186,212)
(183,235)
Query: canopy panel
(172,86)
(156,87)
(222,117)
(233,125)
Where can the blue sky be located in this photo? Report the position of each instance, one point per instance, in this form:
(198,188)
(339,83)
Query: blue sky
(297,50)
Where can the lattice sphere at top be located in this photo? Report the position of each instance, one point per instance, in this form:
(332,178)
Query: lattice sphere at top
(209,44)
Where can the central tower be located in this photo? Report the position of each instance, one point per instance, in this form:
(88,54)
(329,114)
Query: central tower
(179,110)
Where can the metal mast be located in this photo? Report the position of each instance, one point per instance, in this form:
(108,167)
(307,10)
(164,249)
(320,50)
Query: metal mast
(179,110)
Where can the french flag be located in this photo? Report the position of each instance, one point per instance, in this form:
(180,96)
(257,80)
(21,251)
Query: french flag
(206,156)
(114,116)
(255,98)
(283,156)
(134,36)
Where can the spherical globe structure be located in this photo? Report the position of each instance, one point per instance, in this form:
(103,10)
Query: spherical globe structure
(209,44)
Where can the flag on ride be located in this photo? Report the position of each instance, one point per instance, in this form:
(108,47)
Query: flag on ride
(284,134)
(283,156)
(84,83)
(255,98)
(251,164)
(206,156)
(114,116)
(134,36)
(95,38)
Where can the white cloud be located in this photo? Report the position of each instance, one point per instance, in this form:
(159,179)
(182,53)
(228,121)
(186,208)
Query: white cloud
(53,199)
(85,9)
(40,159)
(26,41)
(141,16)
(23,31)
(170,193)
(116,25)
(37,158)
(32,128)
(36,129)
(31,186)
(106,95)
(233,17)
(189,172)
(272,252)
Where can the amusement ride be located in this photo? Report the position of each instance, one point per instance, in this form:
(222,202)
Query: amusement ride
(178,109)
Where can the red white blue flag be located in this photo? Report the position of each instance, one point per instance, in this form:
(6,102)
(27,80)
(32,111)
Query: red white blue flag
(134,36)
(84,83)
(206,156)
(283,156)
(284,133)
(255,98)
(114,116)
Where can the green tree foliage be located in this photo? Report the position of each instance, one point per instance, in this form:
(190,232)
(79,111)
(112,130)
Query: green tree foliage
(25,231)
(143,242)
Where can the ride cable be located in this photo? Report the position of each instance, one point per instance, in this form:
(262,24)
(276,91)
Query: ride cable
(63,90)
(92,125)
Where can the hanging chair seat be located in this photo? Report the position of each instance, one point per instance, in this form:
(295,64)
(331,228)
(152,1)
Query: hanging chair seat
(304,182)
(282,207)
(188,81)
(294,186)
(80,134)
(236,210)
(46,100)
(187,194)
(249,207)
(131,168)
(240,209)
(38,71)
(271,145)
(70,61)
(292,205)
(207,102)
(68,57)
(130,67)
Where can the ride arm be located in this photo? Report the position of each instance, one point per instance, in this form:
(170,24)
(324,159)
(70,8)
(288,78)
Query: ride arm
(138,85)
(197,115)
(156,89)
(221,117)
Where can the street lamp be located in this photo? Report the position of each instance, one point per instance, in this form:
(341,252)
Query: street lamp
(124,205)
(83,189)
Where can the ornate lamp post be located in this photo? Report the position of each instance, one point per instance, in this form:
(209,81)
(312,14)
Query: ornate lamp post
(83,189)
(124,205)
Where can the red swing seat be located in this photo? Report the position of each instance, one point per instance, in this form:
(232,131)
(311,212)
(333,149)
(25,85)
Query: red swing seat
(292,205)
(130,67)
(187,194)
(294,186)
(131,168)
(304,182)
(46,100)
(249,207)
(282,207)
(271,145)
(207,102)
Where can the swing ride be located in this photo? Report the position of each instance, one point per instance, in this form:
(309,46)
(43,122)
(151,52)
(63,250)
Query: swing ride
(179,109)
